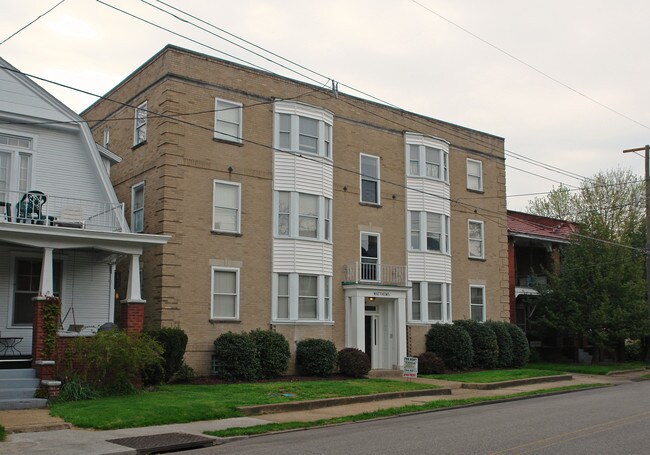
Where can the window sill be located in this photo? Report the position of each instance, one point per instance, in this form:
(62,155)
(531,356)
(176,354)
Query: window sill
(475,191)
(427,323)
(438,253)
(231,234)
(224,321)
(370,204)
(306,239)
(476,259)
(137,146)
(229,142)
(301,322)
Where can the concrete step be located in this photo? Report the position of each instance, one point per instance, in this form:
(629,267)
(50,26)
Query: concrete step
(19,383)
(18,373)
(23,403)
(387,374)
(8,394)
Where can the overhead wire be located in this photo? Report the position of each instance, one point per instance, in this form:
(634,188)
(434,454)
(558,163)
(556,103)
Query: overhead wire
(30,23)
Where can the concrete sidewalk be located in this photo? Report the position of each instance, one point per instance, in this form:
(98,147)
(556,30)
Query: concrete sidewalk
(36,432)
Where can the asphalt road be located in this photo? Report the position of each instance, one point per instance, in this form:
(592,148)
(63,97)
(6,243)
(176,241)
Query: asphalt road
(615,420)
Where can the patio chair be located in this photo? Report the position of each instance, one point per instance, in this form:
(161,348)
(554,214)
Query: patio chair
(30,208)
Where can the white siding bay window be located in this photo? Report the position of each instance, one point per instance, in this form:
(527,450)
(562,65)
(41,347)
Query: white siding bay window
(301,298)
(430,302)
(429,232)
(303,129)
(303,216)
(427,157)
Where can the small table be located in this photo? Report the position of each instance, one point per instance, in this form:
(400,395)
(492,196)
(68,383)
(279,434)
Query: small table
(9,345)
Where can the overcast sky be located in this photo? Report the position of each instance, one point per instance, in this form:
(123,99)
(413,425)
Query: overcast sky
(400,52)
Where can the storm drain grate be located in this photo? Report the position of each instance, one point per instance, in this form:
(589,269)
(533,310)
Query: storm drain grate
(165,442)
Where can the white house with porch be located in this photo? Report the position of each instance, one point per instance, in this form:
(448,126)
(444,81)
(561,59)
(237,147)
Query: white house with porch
(62,229)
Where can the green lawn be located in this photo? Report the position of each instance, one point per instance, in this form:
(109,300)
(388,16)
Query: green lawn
(436,404)
(601,369)
(3,433)
(188,403)
(493,375)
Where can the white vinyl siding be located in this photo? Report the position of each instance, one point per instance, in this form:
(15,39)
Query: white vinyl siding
(475,239)
(228,120)
(137,207)
(226,213)
(304,256)
(300,297)
(474,175)
(225,293)
(477,303)
(369,179)
(140,124)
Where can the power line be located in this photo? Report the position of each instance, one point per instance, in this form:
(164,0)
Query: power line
(537,70)
(25,26)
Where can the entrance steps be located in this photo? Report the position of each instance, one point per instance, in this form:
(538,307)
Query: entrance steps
(385,374)
(17,389)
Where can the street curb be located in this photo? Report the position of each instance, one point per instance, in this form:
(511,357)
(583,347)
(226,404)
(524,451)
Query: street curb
(38,428)
(617,372)
(515,382)
(328,402)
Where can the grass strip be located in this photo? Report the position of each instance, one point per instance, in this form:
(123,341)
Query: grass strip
(598,369)
(436,404)
(190,403)
(488,376)
(3,433)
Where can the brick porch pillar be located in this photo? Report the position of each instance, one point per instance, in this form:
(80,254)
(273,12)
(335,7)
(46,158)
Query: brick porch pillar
(38,326)
(132,316)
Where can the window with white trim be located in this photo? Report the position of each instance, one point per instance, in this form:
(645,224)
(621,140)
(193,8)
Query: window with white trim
(140,124)
(302,297)
(475,239)
(477,303)
(302,215)
(226,207)
(474,175)
(429,162)
(429,232)
(430,302)
(225,293)
(370,259)
(15,166)
(137,207)
(228,120)
(27,278)
(303,128)
(369,178)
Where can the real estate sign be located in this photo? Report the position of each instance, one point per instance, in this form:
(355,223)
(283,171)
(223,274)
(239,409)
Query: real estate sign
(410,367)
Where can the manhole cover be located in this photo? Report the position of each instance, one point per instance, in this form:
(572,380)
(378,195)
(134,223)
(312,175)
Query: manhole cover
(165,442)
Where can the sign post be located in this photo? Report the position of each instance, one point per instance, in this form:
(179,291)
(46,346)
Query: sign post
(410,367)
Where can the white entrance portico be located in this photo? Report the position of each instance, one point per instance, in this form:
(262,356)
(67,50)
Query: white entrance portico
(375,322)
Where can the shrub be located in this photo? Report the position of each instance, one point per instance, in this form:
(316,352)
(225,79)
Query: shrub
(633,352)
(484,343)
(111,361)
(504,341)
(3,433)
(236,357)
(353,362)
(520,348)
(452,344)
(430,363)
(72,389)
(184,374)
(274,353)
(174,342)
(315,357)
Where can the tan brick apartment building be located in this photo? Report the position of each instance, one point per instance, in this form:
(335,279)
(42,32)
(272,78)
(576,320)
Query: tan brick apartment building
(292,207)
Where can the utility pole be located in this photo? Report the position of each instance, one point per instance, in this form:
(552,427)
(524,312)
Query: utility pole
(647,235)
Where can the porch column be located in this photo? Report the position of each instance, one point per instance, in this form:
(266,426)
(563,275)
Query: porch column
(400,318)
(46,287)
(132,308)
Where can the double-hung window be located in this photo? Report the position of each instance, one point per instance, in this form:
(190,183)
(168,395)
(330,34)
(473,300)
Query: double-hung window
(429,232)
(137,207)
(227,202)
(27,278)
(302,297)
(477,303)
(303,128)
(430,302)
(370,257)
(227,120)
(140,125)
(475,239)
(474,175)
(15,167)
(428,161)
(369,178)
(225,293)
(302,215)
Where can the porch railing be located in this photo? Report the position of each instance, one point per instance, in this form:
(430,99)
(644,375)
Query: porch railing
(385,274)
(35,207)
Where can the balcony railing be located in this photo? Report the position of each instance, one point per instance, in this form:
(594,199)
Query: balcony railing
(531,280)
(364,272)
(35,207)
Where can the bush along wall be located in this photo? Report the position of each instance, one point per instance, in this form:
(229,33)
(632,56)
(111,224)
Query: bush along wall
(273,352)
(316,357)
(484,343)
(520,348)
(452,344)
(353,362)
(504,341)
(174,343)
(236,357)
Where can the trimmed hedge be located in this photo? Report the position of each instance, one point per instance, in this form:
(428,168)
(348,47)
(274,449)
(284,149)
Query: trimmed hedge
(504,340)
(174,343)
(430,363)
(273,352)
(484,343)
(520,348)
(452,344)
(236,357)
(353,362)
(316,357)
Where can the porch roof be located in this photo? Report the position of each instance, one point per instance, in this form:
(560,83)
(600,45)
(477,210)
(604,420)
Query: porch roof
(62,238)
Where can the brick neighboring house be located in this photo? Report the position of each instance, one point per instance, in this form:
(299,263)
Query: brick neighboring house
(293,208)
(534,244)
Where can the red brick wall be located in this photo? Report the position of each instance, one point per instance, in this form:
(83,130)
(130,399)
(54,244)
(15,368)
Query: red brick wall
(132,316)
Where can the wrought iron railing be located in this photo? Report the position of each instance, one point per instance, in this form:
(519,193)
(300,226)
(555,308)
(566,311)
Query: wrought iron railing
(371,272)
